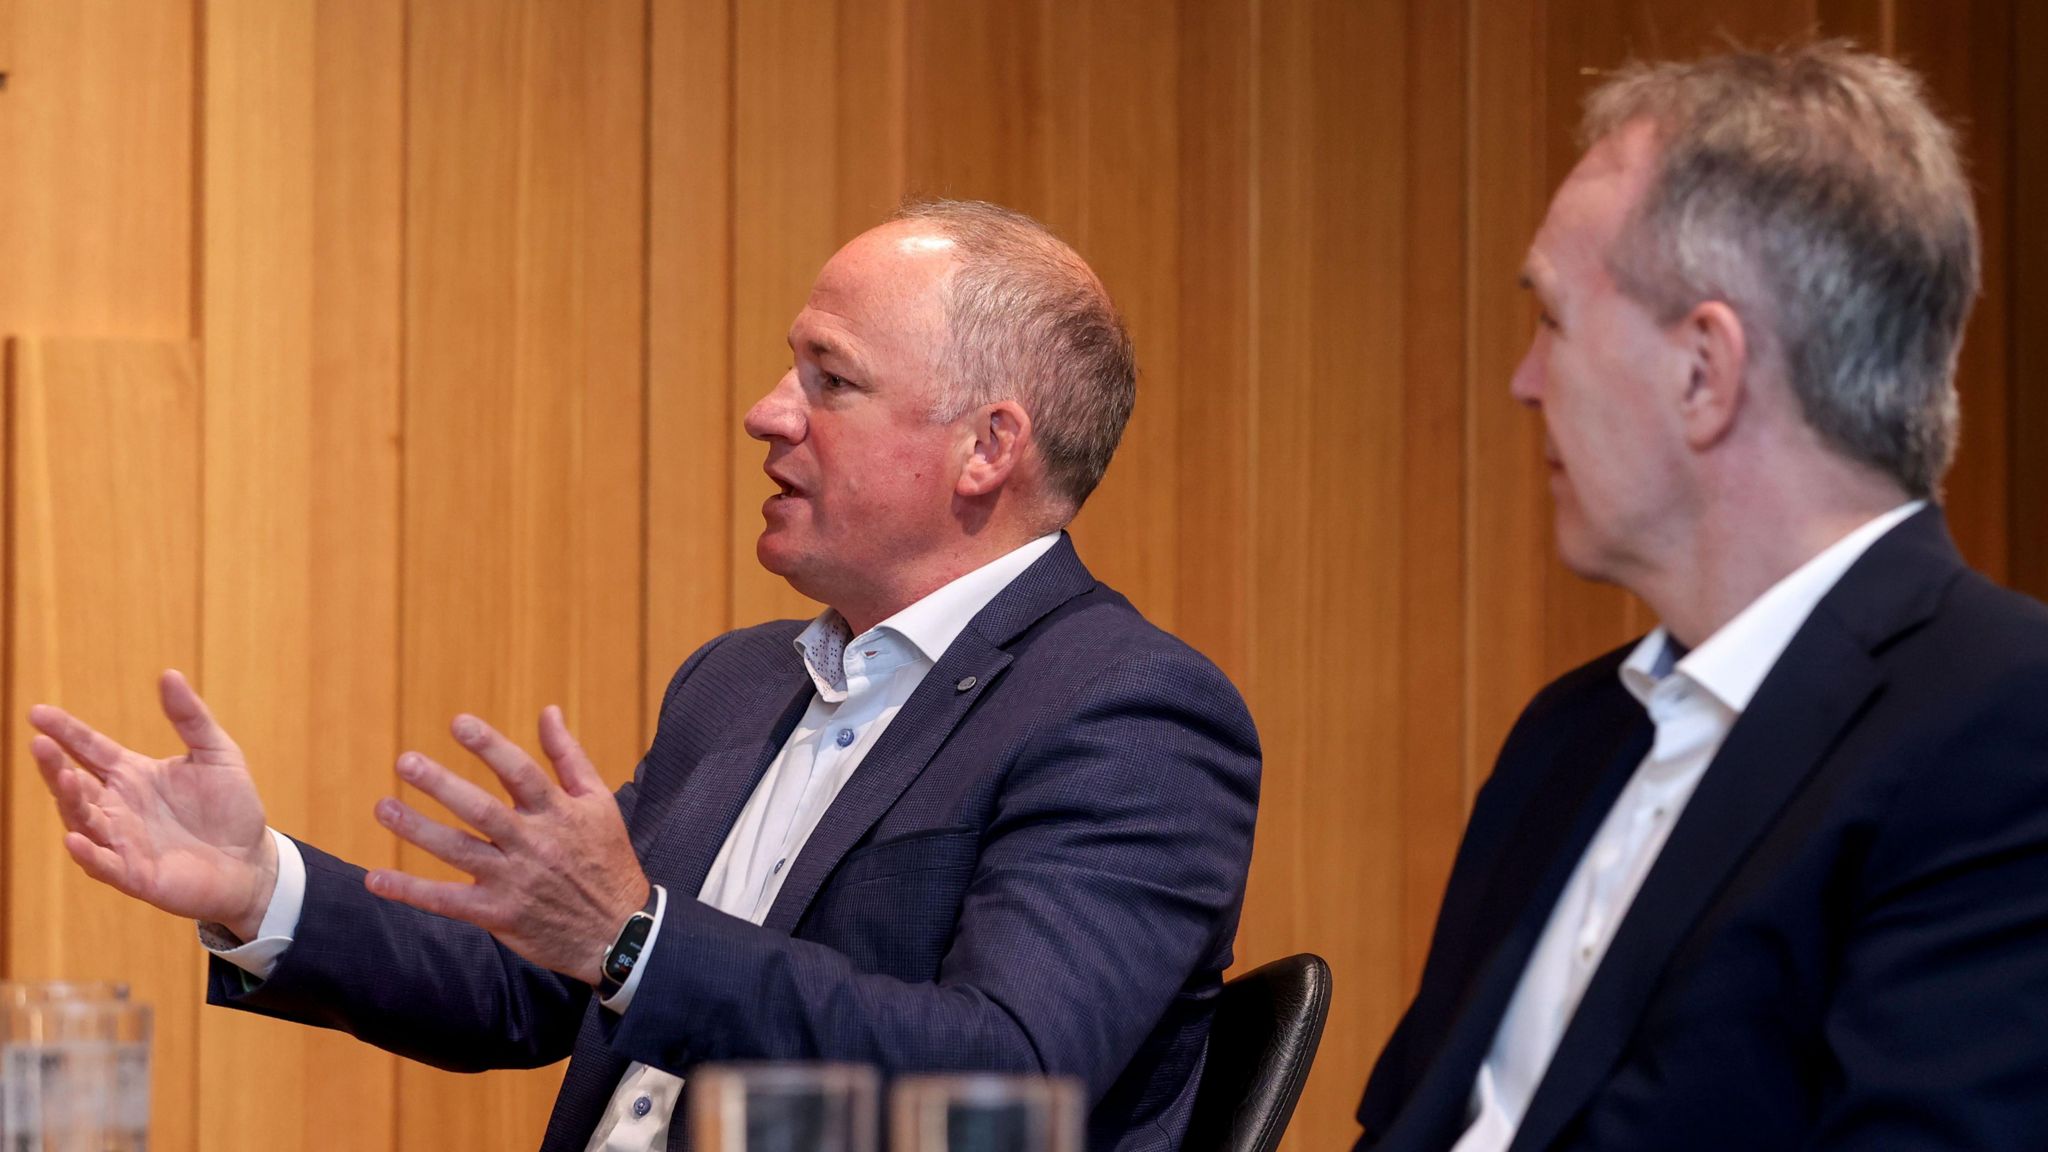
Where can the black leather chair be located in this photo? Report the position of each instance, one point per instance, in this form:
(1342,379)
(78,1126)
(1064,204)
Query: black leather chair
(1268,1023)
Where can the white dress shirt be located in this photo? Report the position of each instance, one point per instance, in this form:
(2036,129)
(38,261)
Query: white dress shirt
(1693,701)
(862,682)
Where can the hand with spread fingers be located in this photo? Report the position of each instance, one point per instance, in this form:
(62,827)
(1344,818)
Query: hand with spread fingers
(184,833)
(555,873)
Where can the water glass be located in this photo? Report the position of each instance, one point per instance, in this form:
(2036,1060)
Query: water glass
(783,1108)
(986,1113)
(74,1069)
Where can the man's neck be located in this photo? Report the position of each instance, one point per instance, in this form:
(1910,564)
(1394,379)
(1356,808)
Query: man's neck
(1739,549)
(935,571)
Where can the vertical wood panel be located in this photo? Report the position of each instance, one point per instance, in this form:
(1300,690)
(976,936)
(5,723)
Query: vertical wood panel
(301,277)
(2027,515)
(690,403)
(1508,557)
(1129,230)
(1430,765)
(96,128)
(102,594)
(1329,456)
(523,489)
(1218,255)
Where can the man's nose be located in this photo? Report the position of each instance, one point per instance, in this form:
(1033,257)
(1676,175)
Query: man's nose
(1526,385)
(780,414)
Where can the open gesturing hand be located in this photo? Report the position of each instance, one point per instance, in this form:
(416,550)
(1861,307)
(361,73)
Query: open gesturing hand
(555,872)
(184,833)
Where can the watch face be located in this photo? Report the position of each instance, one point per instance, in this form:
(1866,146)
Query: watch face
(625,951)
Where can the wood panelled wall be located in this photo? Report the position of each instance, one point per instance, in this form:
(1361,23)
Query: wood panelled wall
(373,360)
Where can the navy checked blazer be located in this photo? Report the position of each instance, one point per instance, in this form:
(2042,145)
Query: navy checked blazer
(1038,868)
(1844,943)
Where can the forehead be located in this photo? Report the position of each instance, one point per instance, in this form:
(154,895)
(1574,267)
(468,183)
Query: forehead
(880,297)
(1591,205)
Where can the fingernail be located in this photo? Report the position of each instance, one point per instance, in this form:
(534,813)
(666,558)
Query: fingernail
(387,810)
(409,766)
(467,729)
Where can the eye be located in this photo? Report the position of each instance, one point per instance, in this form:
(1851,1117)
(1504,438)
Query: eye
(833,383)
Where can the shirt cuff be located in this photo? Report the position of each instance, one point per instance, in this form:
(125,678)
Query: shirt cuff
(259,957)
(623,998)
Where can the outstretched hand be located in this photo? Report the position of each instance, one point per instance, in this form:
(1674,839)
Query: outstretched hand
(555,872)
(184,833)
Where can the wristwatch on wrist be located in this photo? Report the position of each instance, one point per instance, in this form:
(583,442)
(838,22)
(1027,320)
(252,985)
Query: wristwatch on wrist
(624,955)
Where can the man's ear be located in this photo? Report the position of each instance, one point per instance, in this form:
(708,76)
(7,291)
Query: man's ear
(1718,352)
(1001,433)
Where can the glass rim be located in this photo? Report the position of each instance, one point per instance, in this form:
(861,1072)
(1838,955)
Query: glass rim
(64,991)
(988,1087)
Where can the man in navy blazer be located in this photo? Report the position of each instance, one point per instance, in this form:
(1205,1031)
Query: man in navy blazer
(979,815)
(1775,876)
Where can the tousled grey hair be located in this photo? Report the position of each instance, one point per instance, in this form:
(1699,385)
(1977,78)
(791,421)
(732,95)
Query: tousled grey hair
(1815,192)
(1029,322)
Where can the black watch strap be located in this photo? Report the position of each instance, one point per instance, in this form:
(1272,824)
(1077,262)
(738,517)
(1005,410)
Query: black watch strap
(624,955)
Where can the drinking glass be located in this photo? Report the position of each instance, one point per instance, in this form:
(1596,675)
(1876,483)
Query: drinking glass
(783,1108)
(985,1113)
(74,1069)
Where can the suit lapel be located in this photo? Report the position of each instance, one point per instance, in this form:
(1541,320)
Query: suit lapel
(1565,807)
(1813,694)
(973,661)
(926,720)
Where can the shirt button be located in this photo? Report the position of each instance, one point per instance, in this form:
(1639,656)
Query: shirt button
(777,870)
(642,1107)
(845,737)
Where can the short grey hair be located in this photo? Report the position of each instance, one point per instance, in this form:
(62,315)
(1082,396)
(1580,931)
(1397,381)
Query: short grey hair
(1029,322)
(1815,192)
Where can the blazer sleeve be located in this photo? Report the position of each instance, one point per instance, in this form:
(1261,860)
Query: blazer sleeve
(1114,865)
(1934,1038)
(423,986)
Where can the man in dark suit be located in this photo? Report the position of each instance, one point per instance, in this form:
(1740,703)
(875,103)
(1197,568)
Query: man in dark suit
(976,815)
(1776,876)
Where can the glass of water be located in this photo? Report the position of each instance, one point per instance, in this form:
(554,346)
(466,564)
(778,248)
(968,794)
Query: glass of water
(986,1113)
(783,1108)
(74,1069)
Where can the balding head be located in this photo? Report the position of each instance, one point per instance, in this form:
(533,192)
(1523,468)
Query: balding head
(1029,321)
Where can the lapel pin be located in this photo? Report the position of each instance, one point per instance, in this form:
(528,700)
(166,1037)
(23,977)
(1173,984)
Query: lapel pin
(965,683)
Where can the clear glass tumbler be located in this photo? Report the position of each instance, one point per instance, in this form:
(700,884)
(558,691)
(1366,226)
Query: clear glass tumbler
(986,1113)
(74,1069)
(783,1108)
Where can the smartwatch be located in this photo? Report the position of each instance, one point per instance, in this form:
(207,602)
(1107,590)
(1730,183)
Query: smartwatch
(624,954)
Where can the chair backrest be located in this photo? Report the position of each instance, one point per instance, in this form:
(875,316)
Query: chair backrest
(1261,1043)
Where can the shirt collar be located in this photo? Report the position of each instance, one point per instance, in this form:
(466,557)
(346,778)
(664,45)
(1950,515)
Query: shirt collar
(930,625)
(1733,662)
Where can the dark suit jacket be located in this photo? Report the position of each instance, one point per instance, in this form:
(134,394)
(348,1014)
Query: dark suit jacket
(1844,943)
(1038,867)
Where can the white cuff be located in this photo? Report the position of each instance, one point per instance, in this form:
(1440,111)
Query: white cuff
(623,998)
(259,957)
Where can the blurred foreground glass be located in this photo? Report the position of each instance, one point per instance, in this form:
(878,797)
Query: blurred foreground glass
(74,1068)
(985,1114)
(783,1108)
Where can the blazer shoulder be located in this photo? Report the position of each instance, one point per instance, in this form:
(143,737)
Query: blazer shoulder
(1101,629)
(1596,684)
